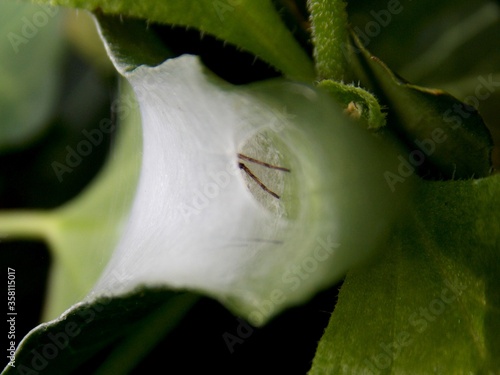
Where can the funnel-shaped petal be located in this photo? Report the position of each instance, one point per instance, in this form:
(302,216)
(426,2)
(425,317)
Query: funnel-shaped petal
(210,215)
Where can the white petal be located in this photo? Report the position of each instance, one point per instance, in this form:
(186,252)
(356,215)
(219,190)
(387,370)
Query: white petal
(199,223)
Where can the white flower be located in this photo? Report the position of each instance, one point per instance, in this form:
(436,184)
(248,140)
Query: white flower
(200,222)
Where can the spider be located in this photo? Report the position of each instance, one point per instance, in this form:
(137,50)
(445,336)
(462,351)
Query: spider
(254,177)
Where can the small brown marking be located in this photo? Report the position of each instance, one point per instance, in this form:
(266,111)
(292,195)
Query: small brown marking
(254,177)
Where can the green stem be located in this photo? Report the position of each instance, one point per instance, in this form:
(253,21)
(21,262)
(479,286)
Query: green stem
(368,104)
(330,38)
(26,225)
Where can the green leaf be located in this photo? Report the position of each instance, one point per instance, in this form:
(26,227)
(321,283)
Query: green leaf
(121,36)
(89,226)
(130,323)
(253,25)
(445,138)
(430,304)
(467,48)
(27,91)
(83,232)
(430,42)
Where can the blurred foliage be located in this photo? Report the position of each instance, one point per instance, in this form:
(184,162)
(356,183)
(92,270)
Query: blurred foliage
(28,91)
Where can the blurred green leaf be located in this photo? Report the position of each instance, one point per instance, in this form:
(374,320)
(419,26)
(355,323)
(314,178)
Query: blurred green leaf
(30,56)
(431,43)
(431,303)
(445,137)
(63,345)
(253,25)
(469,47)
(83,232)
(88,227)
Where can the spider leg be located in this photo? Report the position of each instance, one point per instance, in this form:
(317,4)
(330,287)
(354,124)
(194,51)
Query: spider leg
(252,160)
(256,179)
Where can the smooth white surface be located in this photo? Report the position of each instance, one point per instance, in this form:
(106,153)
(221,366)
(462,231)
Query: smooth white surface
(196,225)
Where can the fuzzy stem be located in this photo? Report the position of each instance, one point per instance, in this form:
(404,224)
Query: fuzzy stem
(330,38)
(26,224)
